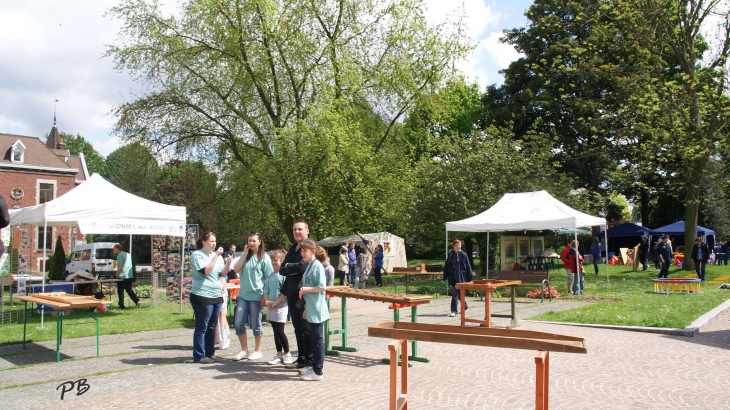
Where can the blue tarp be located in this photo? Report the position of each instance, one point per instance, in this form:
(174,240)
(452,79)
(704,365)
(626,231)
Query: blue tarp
(677,228)
(626,229)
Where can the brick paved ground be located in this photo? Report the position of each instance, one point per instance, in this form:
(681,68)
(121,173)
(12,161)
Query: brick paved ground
(623,370)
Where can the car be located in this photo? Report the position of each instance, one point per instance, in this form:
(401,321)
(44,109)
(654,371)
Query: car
(96,258)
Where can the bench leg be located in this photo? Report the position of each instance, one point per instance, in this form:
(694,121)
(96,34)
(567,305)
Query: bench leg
(542,379)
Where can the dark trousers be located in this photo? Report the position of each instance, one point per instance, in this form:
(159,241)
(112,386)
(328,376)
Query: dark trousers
(351,276)
(378,278)
(316,330)
(341,274)
(700,268)
(301,331)
(206,319)
(126,285)
(642,259)
(455,299)
(664,273)
(595,265)
(280,339)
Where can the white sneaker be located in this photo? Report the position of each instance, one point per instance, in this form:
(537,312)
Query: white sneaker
(275,360)
(305,370)
(452,314)
(241,355)
(255,356)
(287,359)
(311,377)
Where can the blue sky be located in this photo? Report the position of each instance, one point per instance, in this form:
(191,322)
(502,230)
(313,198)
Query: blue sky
(54,50)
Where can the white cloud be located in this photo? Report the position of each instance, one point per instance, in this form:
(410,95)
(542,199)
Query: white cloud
(106,147)
(53,50)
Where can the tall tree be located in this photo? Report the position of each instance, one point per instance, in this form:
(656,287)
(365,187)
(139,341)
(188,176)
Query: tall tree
(77,144)
(696,99)
(253,80)
(132,168)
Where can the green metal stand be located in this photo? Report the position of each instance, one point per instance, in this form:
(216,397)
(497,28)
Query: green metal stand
(59,329)
(335,350)
(414,343)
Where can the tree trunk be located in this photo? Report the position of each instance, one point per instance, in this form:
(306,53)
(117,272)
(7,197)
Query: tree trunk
(469,249)
(644,207)
(696,169)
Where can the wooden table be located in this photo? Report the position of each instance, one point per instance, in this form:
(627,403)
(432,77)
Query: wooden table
(61,301)
(397,302)
(544,343)
(488,286)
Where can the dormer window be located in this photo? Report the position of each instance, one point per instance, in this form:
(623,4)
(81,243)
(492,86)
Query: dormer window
(17,152)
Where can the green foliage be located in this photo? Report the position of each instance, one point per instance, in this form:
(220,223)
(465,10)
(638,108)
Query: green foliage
(77,144)
(133,169)
(617,209)
(143,291)
(57,265)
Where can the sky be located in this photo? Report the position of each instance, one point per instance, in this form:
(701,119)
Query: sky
(54,50)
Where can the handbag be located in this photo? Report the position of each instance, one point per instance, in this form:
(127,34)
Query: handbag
(364,276)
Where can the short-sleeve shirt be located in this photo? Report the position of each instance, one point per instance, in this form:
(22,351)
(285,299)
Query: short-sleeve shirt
(272,287)
(208,286)
(316,308)
(125,261)
(253,276)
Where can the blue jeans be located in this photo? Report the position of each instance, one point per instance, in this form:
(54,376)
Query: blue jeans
(206,319)
(316,332)
(576,288)
(244,309)
(455,298)
(700,269)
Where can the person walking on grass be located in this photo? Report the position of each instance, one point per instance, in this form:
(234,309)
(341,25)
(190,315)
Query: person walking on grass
(596,253)
(277,310)
(575,260)
(206,295)
(315,308)
(700,255)
(254,268)
(124,272)
(644,251)
(457,269)
(569,271)
(665,256)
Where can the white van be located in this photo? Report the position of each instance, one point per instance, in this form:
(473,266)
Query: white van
(95,258)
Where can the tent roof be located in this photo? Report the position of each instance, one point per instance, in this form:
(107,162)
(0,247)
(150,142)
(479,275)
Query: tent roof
(626,229)
(96,203)
(677,228)
(337,240)
(526,210)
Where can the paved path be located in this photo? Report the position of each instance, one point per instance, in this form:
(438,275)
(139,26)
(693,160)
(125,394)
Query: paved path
(622,370)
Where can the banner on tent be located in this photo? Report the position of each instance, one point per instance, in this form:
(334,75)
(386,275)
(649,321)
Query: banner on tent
(131,226)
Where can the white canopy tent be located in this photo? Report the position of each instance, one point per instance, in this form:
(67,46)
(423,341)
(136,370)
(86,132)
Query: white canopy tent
(526,211)
(98,207)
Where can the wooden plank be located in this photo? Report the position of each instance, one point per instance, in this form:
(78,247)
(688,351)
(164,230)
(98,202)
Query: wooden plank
(51,303)
(487,337)
(345,291)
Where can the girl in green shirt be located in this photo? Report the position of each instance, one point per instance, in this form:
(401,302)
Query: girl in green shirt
(316,313)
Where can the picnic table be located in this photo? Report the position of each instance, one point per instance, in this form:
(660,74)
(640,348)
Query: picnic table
(488,286)
(60,302)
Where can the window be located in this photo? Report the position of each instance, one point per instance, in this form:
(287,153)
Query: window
(49,238)
(86,254)
(17,152)
(537,246)
(45,193)
(509,251)
(77,256)
(524,247)
(105,253)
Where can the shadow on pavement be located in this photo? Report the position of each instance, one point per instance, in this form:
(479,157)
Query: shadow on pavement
(164,347)
(146,361)
(713,338)
(35,354)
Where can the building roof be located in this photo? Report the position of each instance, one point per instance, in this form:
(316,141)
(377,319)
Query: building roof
(74,161)
(37,155)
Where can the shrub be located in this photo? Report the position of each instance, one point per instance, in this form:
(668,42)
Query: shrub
(535,294)
(57,269)
(143,291)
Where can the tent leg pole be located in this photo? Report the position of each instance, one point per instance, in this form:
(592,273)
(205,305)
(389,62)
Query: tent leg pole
(182,263)
(43,273)
(576,276)
(487,255)
(605,233)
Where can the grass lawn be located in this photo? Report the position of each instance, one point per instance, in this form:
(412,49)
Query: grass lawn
(160,316)
(628,298)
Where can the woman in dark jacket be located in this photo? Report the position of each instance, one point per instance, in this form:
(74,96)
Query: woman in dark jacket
(457,270)
(700,255)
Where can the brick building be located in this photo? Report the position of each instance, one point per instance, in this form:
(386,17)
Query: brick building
(33,172)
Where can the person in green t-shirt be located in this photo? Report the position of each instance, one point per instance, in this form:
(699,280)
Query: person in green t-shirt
(124,272)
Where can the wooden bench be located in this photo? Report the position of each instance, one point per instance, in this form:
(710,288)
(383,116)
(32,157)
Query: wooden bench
(525,276)
(420,269)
